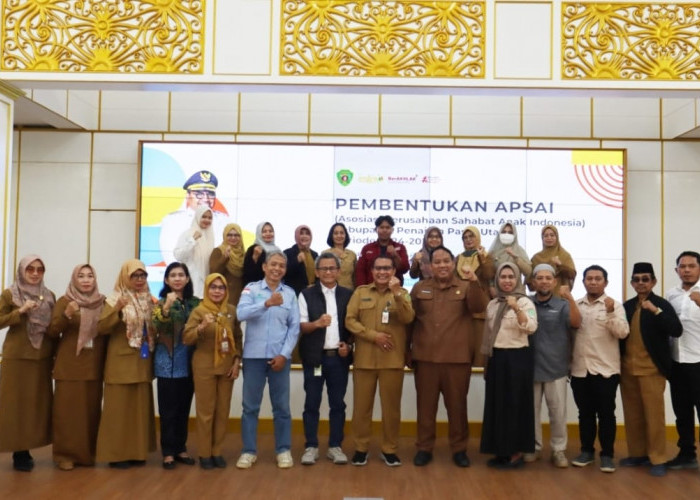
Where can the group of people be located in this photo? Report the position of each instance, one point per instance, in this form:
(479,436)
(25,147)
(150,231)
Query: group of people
(469,310)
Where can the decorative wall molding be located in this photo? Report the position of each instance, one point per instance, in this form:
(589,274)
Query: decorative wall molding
(624,41)
(122,36)
(409,38)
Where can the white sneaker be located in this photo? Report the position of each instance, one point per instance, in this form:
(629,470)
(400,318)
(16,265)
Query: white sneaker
(337,456)
(285,460)
(246,461)
(309,457)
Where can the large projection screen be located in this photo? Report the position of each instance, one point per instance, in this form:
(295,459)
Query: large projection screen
(582,192)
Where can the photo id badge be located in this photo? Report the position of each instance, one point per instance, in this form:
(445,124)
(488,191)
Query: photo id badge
(317,371)
(225,346)
(385,317)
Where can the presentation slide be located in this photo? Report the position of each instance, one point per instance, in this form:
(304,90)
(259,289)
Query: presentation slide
(582,192)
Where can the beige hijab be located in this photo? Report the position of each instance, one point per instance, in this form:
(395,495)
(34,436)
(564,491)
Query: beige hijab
(234,264)
(91,304)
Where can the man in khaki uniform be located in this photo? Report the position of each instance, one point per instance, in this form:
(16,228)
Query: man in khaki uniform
(377,315)
(440,351)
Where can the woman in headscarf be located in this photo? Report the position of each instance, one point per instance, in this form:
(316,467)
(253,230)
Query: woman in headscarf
(195,245)
(475,260)
(505,248)
(172,363)
(553,253)
(255,255)
(509,415)
(338,241)
(420,264)
(25,378)
(301,268)
(127,427)
(77,402)
(216,333)
(227,259)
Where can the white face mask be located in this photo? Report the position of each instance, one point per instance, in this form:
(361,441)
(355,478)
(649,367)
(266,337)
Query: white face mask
(506,238)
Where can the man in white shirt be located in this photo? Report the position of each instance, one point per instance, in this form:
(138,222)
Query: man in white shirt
(326,354)
(685,352)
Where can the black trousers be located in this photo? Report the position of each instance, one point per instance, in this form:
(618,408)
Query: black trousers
(595,397)
(174,401)
(685,397)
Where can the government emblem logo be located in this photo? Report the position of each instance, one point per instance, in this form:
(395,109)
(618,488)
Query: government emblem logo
(344,177)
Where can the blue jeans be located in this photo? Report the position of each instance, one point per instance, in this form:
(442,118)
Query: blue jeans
(334,372)
(255,373)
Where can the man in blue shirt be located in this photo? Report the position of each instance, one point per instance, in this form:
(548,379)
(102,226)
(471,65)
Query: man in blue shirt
(271,313)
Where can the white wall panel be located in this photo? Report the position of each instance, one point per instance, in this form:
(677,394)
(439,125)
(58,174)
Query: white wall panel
(203,111)
(486,116)
(522,40)
(55,100)
(492,143)
(557,117)
(681,209)
(644,231)
(83,108)
(200,137)
(114,186)
(641,155)
(294,139)
(415,115)
(53,216)
(124,110)
(119,147)
(626,118)
(242,37)
(564,144)
(274,113)
(55,147)
(419,141)
(681,156)
(344,114)
(678,117)
(112,241)
(339,139)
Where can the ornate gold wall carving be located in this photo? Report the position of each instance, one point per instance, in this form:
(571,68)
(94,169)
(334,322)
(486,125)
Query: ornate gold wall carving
(382,38)
(622,41)
(129,36)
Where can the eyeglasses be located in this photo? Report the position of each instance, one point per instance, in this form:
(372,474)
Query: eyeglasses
(217,287)
(34,269)
(641,279)
(203,194)
(383,268)
(327,269)
(139,276)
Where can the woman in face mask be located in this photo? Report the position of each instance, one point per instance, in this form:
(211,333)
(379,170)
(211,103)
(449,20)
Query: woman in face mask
(505,248)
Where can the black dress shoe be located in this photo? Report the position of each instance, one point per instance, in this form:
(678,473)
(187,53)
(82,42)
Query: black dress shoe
(512,464)
(461,459)
(422,458)
(137,463)
(497,461)
(184,459)
(22,461)
(124,464)
(169,465)
(219,461)
(206,463)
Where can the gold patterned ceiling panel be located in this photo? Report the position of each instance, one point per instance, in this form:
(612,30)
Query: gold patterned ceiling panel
(382,38)
(621,41)
(123,36)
